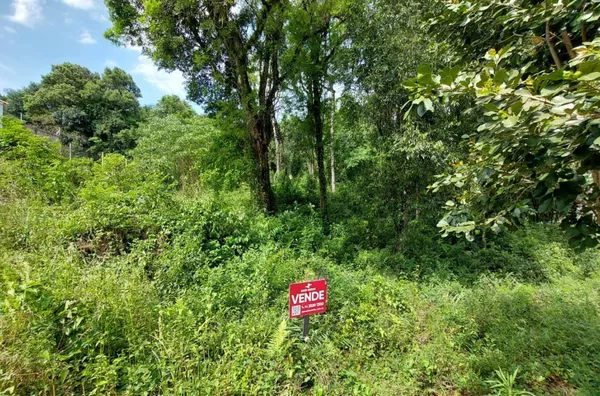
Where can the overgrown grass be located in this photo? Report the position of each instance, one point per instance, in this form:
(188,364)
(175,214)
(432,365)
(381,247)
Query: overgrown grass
(125,286)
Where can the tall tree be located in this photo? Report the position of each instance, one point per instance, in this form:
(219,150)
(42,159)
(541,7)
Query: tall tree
(15,99)
(173,105)
(227,50)
(85,107)
(398,156)
(331,136)
(317,31)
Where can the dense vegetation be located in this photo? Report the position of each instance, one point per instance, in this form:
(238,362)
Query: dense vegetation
(149,250)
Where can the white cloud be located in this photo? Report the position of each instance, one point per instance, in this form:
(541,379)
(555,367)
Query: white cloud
(10,30)
(82,4)
(6,68)
(68,21)
(99,17)
(86,38)
(110,63)
(26,12)
(168,83)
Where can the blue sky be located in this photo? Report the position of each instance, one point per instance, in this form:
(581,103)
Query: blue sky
(35,34)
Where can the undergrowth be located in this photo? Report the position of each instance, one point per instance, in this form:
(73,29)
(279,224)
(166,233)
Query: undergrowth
(114,282)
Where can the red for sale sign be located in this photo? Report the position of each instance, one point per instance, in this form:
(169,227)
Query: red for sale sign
(308,298)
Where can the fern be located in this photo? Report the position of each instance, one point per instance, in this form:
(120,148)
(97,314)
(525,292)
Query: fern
(279,339)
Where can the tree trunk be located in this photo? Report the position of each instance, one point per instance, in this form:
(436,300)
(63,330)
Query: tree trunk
(260,132)
(278,147)
(584,36)
(596,179)
(551,47)
(567,41)
(315,110)
(418,201)
(310,164)
(406,216)
(331,134)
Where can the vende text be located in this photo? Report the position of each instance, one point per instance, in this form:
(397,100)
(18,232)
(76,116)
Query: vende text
(306,297)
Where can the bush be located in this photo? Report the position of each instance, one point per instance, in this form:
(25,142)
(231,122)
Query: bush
(121,284)
(192,153)
(119,205)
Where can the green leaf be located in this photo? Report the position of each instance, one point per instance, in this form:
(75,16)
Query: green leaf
(552,89)
(590,242)
(428,104)
(447,76)
(546,205)
(583,228)
(563,204)
(590,77)
(510,121)
(424,69)
(574,242)
(572,232)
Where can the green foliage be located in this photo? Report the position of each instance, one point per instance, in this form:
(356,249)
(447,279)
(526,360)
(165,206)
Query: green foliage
(33,167)
(534,151)
(103,325)
(505,383)
(173,105)
(119,205)
(474,27)
(16,100)
(89,110)
(154,273)
(193,152)
(131,287)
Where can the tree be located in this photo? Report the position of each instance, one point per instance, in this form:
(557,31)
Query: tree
(387,160)
(278,146)
(192,152)
(536,150)
(316,32)
(173,105)
(545,31)
(227,51)
(331,136)
(15,99)
(86,108)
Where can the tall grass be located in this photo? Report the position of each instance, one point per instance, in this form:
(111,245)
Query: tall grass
(121,285)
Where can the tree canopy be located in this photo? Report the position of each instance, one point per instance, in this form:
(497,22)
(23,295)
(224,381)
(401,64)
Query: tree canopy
(84,108)
(227,51)
(535,150)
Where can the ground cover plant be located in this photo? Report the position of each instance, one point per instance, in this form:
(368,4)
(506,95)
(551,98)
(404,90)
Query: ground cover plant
(119,282)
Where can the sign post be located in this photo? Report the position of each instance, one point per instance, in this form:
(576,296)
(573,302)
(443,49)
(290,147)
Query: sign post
(305,327)
(307,298)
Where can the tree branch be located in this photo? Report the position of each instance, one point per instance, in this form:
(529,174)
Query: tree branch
(584,36)
(550,44)
(567,40)
(260,27)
